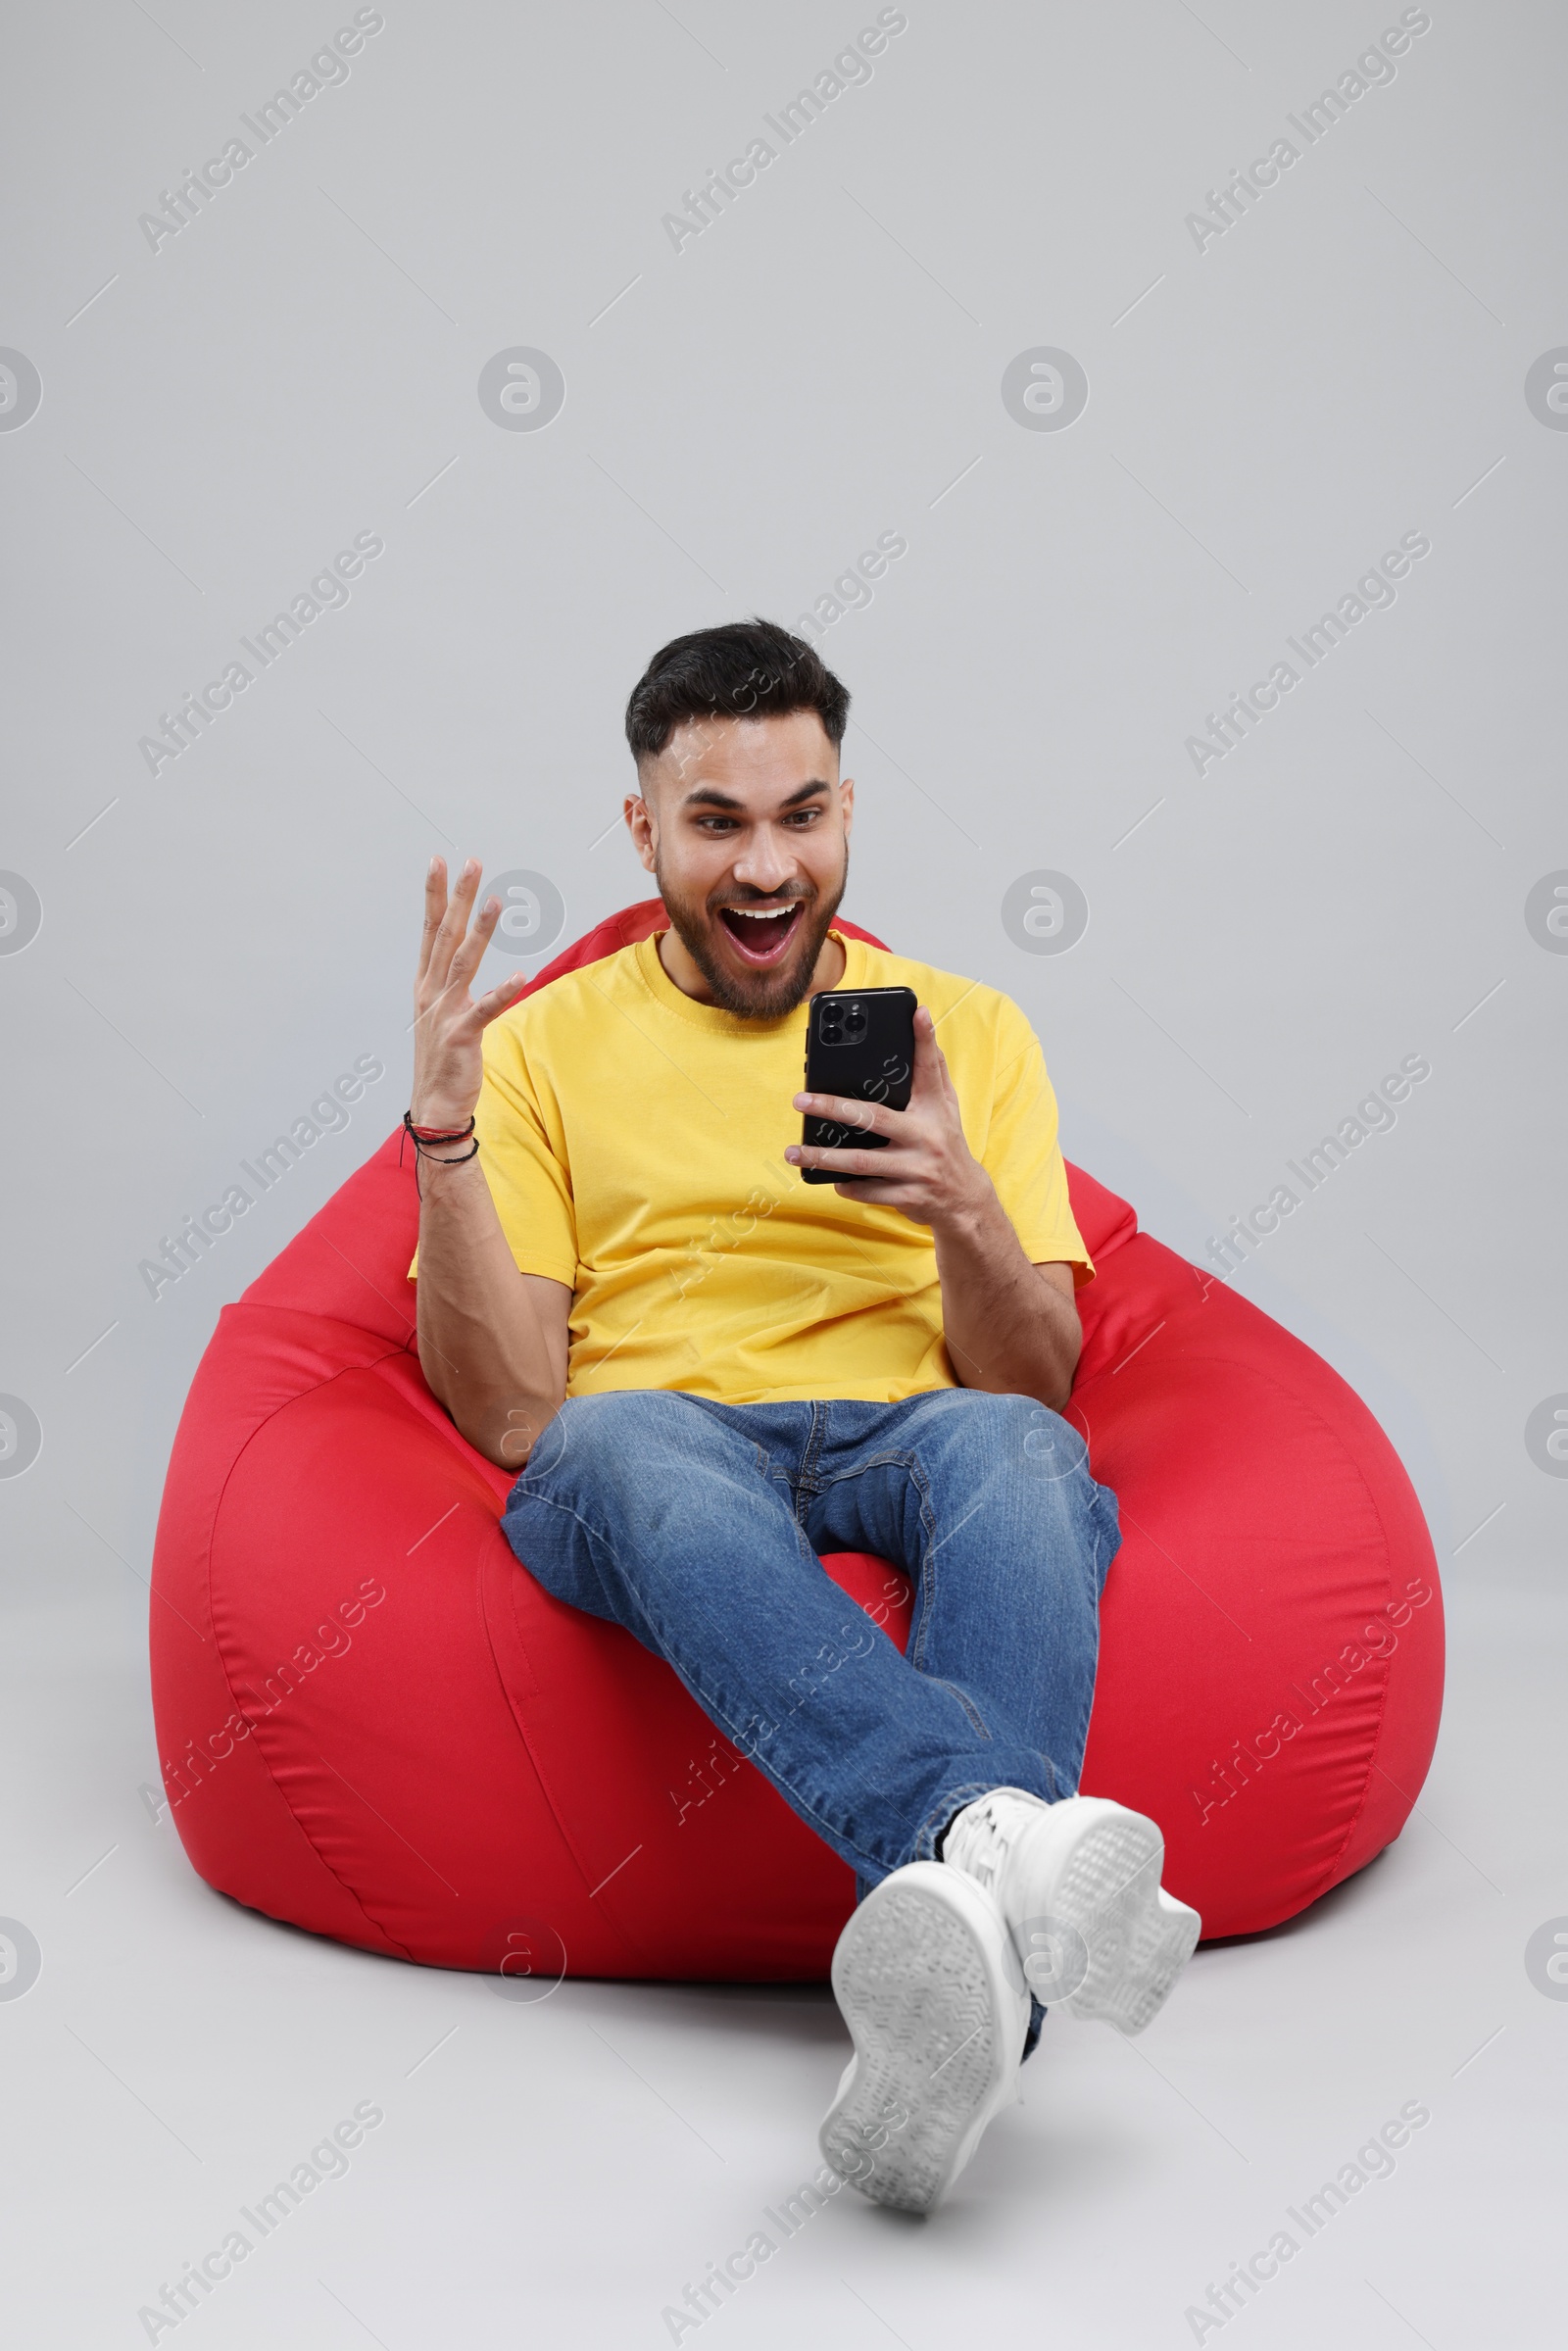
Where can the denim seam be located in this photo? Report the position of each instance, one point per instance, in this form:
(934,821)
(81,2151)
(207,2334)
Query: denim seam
(898,1458)
(773,1474)
(954,1691)
(925,1595)
(807,1484)
(797,1797)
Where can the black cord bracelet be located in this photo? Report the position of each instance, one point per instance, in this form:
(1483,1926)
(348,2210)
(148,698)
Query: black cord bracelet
(425,1143)
(458,1159)
(437,1134)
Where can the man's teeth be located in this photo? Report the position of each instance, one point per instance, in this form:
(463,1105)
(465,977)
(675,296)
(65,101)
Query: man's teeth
(761,914)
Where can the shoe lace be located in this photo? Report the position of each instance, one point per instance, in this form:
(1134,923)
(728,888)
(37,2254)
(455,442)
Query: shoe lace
(984,1845)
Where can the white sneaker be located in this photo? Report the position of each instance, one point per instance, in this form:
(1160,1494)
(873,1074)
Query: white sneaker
(1077,1883)
(930,1987)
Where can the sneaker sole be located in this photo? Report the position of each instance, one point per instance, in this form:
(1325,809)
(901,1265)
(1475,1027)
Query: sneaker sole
(1138,1937)
(919,1993)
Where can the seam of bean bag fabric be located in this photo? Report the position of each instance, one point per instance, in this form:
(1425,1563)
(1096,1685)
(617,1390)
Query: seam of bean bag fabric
(1328,1880)
(338,1880)
(568,1841)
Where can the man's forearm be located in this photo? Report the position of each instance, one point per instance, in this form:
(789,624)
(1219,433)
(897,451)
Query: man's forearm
(1007,1330)
(484,1347)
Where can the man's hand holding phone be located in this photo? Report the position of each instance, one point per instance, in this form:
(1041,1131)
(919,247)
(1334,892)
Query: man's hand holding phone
(925,1169)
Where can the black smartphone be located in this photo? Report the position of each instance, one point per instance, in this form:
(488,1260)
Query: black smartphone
(859,1042)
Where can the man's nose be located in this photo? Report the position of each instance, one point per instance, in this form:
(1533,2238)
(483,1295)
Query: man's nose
(767,861)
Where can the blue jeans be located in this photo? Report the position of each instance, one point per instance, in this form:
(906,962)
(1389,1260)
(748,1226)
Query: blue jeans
(696,1526)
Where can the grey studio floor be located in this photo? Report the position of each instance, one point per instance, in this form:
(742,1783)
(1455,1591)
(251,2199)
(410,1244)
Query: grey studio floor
(559,2171)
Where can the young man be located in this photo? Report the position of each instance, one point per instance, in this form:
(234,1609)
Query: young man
(707,1372)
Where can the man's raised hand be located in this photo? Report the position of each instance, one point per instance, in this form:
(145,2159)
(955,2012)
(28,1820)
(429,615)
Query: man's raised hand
(449,1022)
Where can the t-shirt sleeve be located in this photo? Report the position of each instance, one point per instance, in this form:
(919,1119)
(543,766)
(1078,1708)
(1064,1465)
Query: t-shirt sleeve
(1022,1156)
(524,1162)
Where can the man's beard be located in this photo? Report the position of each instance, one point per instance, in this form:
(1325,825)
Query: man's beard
(762,995)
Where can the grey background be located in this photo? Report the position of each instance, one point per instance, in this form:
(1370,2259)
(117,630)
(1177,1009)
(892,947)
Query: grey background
(822,365)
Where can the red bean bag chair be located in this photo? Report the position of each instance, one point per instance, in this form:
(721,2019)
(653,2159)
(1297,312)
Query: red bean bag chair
(375,1723)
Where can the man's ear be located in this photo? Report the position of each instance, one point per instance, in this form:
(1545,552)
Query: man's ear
(639,824)
(847,802)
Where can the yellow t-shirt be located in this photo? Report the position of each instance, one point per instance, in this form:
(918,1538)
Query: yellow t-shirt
(633,1141)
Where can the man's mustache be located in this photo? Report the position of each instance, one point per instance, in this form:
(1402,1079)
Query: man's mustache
(763,898)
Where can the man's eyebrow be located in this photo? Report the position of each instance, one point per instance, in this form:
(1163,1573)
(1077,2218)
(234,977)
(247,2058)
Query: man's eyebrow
(708,796)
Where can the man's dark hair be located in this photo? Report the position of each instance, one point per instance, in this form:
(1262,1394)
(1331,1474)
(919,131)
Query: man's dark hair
(746,670)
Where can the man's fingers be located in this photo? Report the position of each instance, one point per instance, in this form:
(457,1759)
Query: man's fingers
(435,906)
(835,1159)
(496,1000)
(464,891)
(455,921)
(927,1051)
(441,942)
(932,1075)
(453,925)
(930,1062)
(878,1196)
(868,1118)
(471,952)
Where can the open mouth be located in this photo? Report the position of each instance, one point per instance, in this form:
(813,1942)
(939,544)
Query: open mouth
(762,934)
